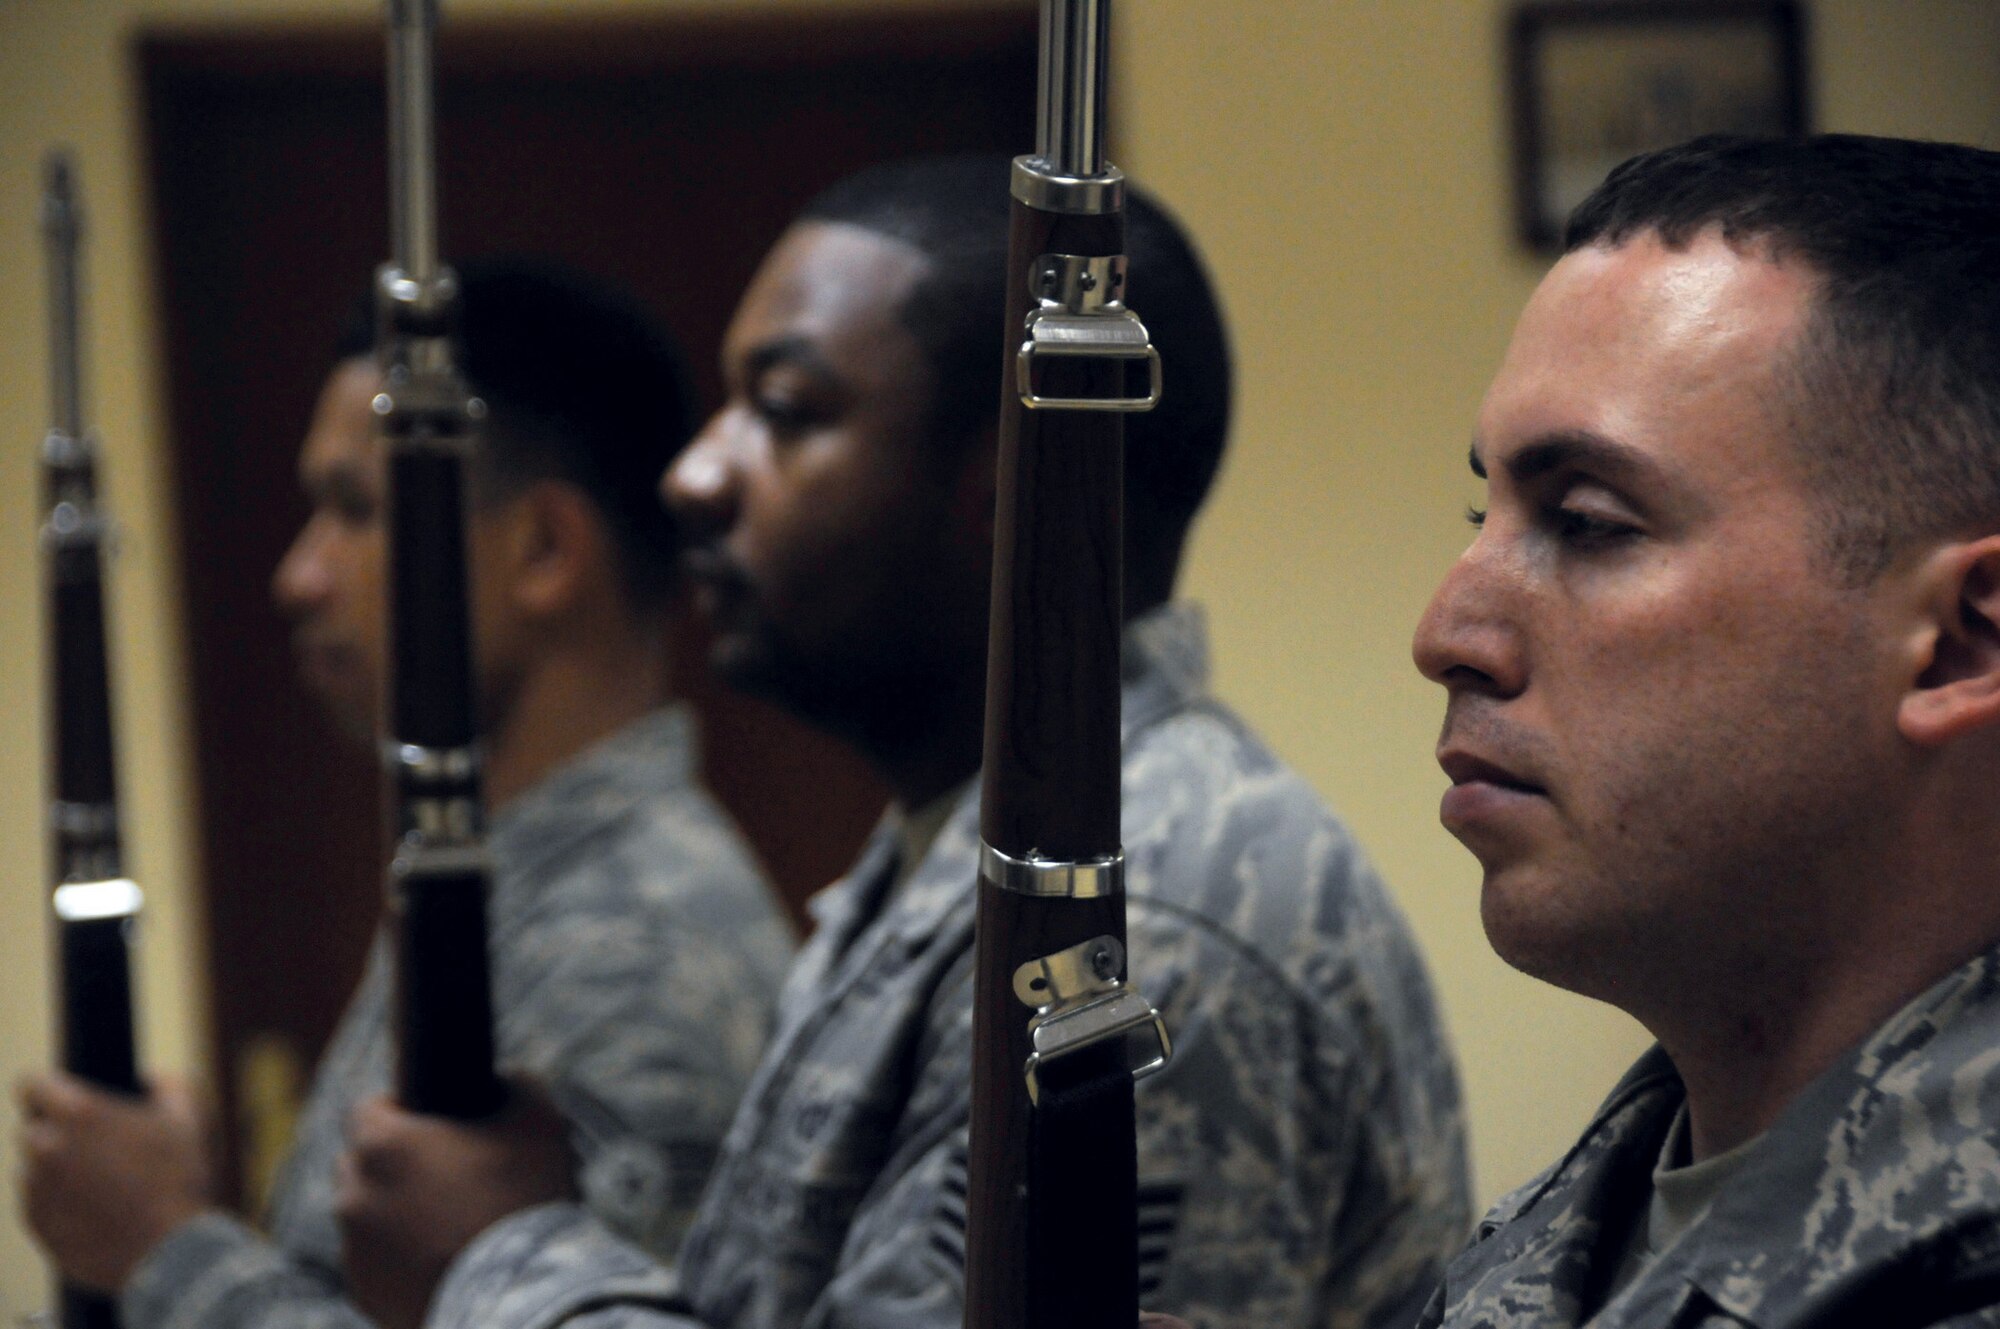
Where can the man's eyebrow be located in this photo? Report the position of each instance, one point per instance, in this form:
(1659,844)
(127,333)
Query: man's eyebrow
(1472,460)
(797,351)
(1575,450)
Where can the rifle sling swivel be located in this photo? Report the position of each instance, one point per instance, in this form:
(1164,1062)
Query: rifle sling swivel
(1081,1002)
(1080,315)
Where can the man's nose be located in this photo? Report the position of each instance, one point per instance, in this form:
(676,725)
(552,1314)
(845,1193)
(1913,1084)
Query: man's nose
(302,578)
(1470,636)
(700,487)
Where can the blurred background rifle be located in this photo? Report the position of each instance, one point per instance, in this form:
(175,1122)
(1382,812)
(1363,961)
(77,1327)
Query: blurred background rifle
(438,877)
(95,903)
(1051,1232)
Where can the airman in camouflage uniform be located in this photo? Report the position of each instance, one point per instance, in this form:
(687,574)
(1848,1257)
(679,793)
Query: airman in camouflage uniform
(1724,733)
(1301,1160)
(636,951)
(1307,1128)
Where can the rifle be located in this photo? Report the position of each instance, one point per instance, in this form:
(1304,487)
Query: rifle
(1051,1224)
(428,424)
(95,903)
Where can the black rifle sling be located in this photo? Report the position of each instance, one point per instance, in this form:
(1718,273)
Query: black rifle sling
(1083,1170)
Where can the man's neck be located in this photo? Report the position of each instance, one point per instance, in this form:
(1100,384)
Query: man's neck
(919,773)
(1752,1013)
(1750,1057)
(567,702)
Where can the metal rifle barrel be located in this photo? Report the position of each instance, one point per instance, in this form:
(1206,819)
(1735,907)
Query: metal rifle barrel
(413,138)
(94,902)
(1050,927)
(439,876)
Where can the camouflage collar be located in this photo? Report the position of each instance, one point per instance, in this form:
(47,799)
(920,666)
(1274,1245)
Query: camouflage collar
(1881,1180)
(843,906)
(1634,1117)
(1542,1247)
(1894,1149)
(1165,664)
(848,907)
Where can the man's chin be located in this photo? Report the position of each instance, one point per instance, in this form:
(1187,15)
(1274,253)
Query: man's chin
(1526,918)
(737,660)
(816,692)
(745,665)
(353,716)
(1561,930)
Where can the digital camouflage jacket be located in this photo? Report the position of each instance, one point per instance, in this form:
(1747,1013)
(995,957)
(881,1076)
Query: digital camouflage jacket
(637,956)
(1874,1202)
(1301,1160)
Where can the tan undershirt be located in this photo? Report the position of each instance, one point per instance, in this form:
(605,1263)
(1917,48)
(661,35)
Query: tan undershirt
(1682,1194)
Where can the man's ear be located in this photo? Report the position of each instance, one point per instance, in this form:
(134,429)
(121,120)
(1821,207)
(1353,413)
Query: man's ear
(559,549)
(1957,690)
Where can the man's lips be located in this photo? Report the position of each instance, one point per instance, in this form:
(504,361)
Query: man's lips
(1466,768)
(718,583)
(312,644)
(323,664)
(708,566)
(1481,789)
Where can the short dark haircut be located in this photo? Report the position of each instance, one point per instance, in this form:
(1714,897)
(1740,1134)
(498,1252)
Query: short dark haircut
(581,386)
(1897,374)
(955,210)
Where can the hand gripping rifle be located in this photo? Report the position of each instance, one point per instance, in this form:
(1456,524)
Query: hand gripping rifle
(1051,1230)
(95,902)
(427,418)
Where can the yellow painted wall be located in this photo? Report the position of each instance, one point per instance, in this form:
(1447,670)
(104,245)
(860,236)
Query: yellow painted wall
(1343,162)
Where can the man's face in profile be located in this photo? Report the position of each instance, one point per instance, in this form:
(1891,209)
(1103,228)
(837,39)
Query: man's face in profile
(330,582)
(826,536)
(1664,706)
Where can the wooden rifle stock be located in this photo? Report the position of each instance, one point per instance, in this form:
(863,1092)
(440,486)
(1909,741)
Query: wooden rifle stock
(438,879)
(1051,1205)
(95,903)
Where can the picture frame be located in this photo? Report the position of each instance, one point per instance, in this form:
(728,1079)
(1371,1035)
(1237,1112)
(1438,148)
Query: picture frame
(1593,82)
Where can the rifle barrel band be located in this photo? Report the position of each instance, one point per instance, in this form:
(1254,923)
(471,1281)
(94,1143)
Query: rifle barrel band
(1090,879)
(432,766)
(89,901)
(64,451)
(423,861)
(1042,187)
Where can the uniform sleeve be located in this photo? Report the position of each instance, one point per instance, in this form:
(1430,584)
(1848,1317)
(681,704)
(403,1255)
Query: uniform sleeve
(215,1273)
(1987,1317)
(556,1265)
(647,1026)
(1301,1161)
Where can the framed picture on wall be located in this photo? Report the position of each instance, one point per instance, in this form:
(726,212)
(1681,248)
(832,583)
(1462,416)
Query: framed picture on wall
(1593,82)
